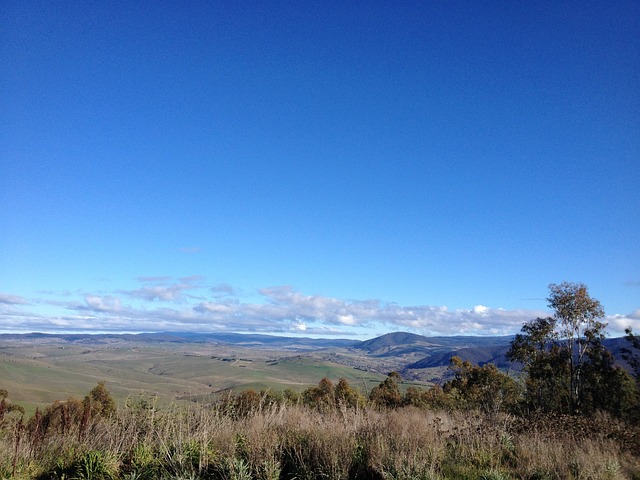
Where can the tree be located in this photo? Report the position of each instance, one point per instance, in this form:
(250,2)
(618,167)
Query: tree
(100,402)
(434,398)
(578,318)
(555,350)
(327,396)
(387,394)
(345,395)
(608,386)
(247,402)
(483,387)
(290,396)
(545,365)
(632,357)
(6,406)
(321,397)
(60,416)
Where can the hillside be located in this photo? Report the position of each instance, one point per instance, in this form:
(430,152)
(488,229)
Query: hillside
(494,350)
(477,355)
(397,343)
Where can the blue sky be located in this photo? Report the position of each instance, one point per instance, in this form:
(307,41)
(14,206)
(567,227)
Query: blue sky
(316,168)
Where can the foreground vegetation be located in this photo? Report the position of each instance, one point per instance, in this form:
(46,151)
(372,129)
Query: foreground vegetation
(267,437)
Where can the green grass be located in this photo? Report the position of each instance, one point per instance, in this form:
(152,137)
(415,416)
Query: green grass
(37,375)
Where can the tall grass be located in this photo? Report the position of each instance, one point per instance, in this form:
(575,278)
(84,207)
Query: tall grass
(284,441)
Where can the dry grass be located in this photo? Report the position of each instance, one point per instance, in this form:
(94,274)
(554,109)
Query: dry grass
(291,441)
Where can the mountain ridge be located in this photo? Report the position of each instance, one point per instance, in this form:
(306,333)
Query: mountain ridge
(412,351)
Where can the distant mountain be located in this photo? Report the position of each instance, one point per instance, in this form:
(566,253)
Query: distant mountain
(246,340)
(427,352)
(407,350)
(495,352)
(436,350)
(469,341)
(481,355)
(250,339)
(397,343)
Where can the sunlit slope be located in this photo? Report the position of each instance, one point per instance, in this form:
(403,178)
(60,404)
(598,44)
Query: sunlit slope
(39,374)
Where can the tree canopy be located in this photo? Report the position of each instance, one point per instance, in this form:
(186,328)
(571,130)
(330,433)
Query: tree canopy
(566,367)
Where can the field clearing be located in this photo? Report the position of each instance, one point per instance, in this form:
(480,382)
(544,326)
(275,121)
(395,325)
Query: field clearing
(41,372)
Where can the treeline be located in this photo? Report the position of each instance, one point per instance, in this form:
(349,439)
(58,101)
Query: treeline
(473,387)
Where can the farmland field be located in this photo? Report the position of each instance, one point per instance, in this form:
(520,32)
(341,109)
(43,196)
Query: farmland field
(36,373)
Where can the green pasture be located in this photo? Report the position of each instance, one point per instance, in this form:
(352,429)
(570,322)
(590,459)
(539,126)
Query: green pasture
(37,375)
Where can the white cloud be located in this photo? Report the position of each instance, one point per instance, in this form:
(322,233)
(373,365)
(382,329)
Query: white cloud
(163,290)
(223,290)
(286,306)
(102,304)
(280,310)
(12,299)
(620,322)
(163,293)
(347,319)
(480,309)
(167,294)
(215,308)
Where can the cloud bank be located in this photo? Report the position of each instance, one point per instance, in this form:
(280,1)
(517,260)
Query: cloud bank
(187,304)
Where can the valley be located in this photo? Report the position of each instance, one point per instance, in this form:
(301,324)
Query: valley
(38,369)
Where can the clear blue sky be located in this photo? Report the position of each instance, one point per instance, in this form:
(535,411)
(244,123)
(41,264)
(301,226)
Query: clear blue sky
(325,168)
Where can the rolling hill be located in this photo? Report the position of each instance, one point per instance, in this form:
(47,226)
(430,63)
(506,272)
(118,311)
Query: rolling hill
(41,368)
